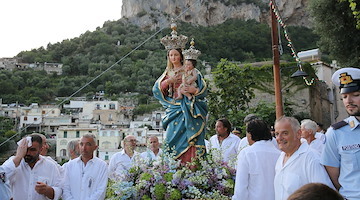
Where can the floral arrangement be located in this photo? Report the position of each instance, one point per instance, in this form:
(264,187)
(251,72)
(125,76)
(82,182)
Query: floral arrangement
(206,178)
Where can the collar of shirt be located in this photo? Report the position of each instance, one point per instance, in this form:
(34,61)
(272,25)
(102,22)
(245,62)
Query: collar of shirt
(41,159)
(122,152)
(229,137)
(302,149)
(262,142)
(78,159)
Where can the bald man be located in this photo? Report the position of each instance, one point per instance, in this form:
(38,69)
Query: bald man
(122,161)
(153,152)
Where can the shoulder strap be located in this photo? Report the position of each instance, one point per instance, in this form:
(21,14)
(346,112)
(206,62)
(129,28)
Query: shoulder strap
(339,124)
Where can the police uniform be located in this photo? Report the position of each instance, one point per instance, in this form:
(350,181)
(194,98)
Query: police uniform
(342,146)
(4,185)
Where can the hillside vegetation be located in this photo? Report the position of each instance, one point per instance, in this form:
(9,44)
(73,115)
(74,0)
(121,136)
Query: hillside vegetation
(86,56)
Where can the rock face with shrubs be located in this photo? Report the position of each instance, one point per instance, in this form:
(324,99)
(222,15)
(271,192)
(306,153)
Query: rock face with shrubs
(205,178)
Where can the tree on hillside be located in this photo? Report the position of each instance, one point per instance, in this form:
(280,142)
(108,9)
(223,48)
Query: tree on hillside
(336,26)
(233,89)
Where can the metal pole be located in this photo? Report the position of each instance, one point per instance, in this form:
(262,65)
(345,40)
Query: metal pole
(276,66)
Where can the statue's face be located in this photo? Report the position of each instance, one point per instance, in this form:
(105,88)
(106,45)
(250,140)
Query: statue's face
(174,56)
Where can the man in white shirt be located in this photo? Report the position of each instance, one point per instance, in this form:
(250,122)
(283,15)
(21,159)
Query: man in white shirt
(255,169)
(225,141)
(122,161)
(44,152)
(298,164)
(32,176)
(244,141)
(153,152)
(308,130)
(86,176)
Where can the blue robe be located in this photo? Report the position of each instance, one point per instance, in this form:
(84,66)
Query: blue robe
(184,119)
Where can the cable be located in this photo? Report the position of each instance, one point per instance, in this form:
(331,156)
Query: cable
(121,59)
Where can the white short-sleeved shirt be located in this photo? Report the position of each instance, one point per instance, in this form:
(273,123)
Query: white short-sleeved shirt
(320,136)
(150,156)
(229,146)
(245,143)
(23,179)
(317,145)
(301,168)
(342,150)
(85,182)
(120,163)
(252,173)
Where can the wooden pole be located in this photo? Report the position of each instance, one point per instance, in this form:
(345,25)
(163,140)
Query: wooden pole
(276,65)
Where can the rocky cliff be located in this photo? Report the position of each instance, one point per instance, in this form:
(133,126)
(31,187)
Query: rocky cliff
(156,13)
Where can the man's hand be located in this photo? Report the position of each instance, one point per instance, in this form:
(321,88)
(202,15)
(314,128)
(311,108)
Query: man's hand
(20,152)
(44,189)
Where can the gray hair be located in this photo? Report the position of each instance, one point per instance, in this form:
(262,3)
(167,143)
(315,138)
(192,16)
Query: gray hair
(90,135)
(295,125)
(71,146)
(250,117)
(309,125)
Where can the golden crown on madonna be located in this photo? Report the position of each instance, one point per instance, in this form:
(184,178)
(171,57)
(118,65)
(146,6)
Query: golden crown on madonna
(174,41)
(191,53)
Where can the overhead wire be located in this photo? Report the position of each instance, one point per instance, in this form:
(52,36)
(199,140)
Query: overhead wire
(106,70)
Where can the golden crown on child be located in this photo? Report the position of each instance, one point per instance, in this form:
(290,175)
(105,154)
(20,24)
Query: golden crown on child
(191,53)
(174,41)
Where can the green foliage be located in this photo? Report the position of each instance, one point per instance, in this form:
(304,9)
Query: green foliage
(159,191)
(6,124)
(5,146)
(9,133)
(354,5)
(88,55)
(233,92)
(146,108)
(337,31)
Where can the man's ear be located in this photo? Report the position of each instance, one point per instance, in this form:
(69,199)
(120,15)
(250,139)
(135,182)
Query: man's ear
(298,134)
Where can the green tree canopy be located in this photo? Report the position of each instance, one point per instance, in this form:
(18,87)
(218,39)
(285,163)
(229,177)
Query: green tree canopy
(336,26)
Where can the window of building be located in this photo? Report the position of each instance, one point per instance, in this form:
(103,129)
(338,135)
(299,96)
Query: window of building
(63,152)
(106,157)
(157,124)
(110,117)
(158,116)
(25,118)
(112,106)
(106,144)
(35,119)
(43,112)
(77,134)
(65,134)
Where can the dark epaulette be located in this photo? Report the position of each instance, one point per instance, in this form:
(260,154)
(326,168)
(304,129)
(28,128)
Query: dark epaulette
(339,124)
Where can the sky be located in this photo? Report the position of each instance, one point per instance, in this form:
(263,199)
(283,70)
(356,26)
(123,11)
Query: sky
(30,24)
